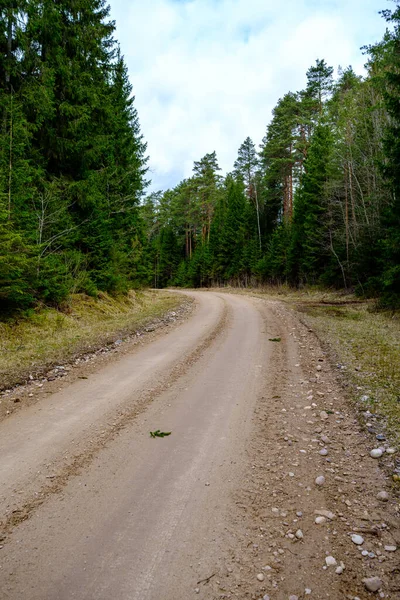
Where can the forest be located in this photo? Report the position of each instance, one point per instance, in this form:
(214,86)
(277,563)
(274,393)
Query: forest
(317,203)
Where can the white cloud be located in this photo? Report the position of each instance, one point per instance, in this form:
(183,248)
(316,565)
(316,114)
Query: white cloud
(207,73)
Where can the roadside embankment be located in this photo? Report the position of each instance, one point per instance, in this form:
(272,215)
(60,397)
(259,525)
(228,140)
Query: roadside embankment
(39,348)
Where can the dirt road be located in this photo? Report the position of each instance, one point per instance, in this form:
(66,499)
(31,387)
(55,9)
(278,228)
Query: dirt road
(94,508)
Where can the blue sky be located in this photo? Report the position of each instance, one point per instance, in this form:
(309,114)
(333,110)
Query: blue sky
(207,73)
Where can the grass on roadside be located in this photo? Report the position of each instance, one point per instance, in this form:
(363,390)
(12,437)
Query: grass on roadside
(51,336)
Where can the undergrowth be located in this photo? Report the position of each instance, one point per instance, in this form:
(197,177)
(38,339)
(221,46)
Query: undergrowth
(49,336)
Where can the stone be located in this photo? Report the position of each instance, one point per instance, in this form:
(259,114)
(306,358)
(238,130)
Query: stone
(339,570)
(293,597)
(372,584)
(299,534)
(376,453)
(323,452)
(390,451)
(390,548)
(320,480)
(325,513)
(320,520)
(197,590)
(383,496)
(323,415)
(357,539)
(307,591)
(260,577)
(330,561)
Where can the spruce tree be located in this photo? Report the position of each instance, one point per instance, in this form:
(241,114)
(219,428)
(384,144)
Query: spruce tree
(309,249)
(390,279)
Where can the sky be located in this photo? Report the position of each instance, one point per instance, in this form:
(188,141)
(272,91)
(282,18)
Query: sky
(207,73)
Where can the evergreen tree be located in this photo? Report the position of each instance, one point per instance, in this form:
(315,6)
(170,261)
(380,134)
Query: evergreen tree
(246,170)
(309,252)
(390,278)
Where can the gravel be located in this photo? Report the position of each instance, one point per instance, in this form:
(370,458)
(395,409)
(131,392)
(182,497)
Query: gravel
(376,453)
(357,539)
(383,496)
(372,584)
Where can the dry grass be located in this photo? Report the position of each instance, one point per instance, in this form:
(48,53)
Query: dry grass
(51,336)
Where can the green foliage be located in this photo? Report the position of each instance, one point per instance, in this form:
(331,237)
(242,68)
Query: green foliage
(72,158)
(319,203)
(390,245)
(160,434)
(308,250)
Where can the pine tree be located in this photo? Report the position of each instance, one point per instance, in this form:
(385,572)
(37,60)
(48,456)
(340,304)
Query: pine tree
(246,170)
(278,160)
(206,181)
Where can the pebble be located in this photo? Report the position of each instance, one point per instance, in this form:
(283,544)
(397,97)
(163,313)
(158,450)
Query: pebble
(323,452)
(373,584)
(299,535)
(293,598)
(339,570)
(357,539)
(390,451)
(299,513)
(320,480)
(325,439)
(376,453)
(330,561)
(383,496)
(260,577)
(319,368)
(266,597)
(320,520)
(325,513)
(307,591)
(365,553)
(323,415)
(197,590)
(390,548)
